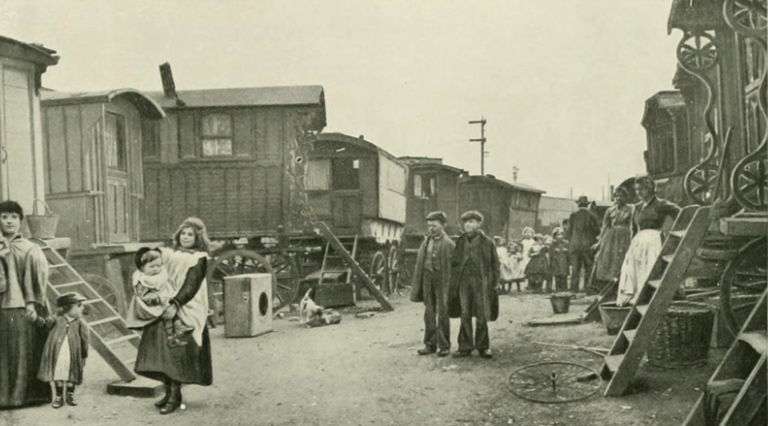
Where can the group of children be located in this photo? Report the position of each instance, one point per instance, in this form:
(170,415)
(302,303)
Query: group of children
(66,349)
(540,260)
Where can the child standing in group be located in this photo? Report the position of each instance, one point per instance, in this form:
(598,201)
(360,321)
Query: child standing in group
(516,263)
(505,268)
(558,255)
(537,269)
(153,289)
(66,349)
(549,283)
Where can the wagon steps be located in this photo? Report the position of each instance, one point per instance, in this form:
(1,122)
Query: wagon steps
(110,336)
(672,267)
(741,373)
(355,268)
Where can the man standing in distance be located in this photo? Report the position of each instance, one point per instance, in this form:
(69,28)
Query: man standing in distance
(431,281)
(582,233)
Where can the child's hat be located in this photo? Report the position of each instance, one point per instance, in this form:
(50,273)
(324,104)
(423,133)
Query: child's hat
(68,299)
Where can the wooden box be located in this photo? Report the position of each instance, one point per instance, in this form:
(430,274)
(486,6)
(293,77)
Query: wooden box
(335,295)
(247,305)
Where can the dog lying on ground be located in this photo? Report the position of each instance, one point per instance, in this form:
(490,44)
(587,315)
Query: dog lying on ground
(314,315)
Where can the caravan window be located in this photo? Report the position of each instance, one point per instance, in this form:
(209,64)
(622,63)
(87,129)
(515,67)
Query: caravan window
(216,134)
(345,174)
(115,142)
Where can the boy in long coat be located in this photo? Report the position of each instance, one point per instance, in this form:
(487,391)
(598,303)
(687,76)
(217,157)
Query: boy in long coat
(431,281)
(474,283)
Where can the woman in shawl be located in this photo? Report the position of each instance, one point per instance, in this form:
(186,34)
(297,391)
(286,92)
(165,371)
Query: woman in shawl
(189,363)
(648,218)
(613,242)
(23,284)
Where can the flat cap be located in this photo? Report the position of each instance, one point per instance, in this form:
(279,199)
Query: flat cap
(68,299)
(583,200)
(472,214)
(441,216)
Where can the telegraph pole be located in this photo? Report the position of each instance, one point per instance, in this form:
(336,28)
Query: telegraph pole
(483,152)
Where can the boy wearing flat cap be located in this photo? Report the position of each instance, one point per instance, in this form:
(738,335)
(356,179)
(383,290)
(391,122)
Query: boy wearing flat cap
(431,281)
(475,279)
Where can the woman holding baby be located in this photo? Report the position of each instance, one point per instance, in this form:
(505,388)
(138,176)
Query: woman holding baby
(175,347)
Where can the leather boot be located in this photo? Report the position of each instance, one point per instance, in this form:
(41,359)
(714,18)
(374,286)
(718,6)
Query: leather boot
(70,397)
(58,400)
(164,400)
(174,401)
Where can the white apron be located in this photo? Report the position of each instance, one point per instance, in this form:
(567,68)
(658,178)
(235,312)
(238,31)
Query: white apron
(638,264)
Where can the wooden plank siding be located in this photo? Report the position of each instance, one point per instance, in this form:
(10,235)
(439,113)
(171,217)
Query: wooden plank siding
(242,195)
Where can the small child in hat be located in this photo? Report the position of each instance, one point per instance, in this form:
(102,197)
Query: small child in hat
(537,269)
(66,349)
(153,290)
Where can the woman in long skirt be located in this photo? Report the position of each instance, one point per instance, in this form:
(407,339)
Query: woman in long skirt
(614,240)
(190,363)
(648,219)
(23,284)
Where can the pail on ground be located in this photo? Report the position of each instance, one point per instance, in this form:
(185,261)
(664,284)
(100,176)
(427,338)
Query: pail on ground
(613,317)
(561,302)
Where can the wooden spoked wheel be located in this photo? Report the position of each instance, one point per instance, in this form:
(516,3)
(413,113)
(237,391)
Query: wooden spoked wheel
(554,382)
(288,276)
(108,291)
(697,51)
(378,271)
(394,269)
(748,16)
(283,268)
(700,183)
(743,282)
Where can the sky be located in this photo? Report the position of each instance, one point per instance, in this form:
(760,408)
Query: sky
(561,83)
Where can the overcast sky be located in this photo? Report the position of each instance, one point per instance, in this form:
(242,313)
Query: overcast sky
(562,83)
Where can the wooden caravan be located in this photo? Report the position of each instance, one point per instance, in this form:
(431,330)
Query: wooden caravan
(358,190)
(507,207)
(93,150)
(221,155)
(21,141)
(432,186)
(357,187)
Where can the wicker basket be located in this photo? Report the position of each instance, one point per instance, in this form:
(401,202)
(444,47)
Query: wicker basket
(682,339)
(42,226)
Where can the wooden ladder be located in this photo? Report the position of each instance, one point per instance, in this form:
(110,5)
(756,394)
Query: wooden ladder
(332,255)
(655,298)
(334,242)
(110,336)
(745,365)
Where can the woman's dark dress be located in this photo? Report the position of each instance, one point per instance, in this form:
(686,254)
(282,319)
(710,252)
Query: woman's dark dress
(190,364)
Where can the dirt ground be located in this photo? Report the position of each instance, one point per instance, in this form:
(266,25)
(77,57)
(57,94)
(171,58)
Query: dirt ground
(366,372)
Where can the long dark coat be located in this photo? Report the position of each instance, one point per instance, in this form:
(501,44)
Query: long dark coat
(60,329)
(443,252)
(489,276)
(583,229)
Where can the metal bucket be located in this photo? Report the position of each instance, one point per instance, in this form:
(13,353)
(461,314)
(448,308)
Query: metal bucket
(42,226)
(561,302)
(613,317)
